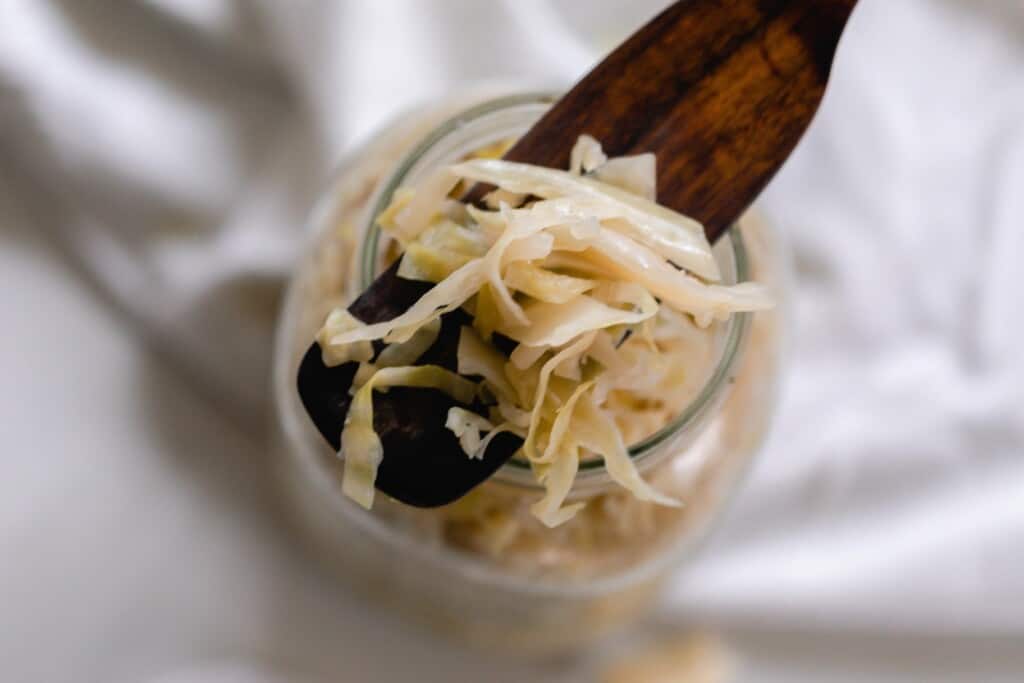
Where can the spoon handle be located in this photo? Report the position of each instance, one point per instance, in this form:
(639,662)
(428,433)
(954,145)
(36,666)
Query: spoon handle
(720,90)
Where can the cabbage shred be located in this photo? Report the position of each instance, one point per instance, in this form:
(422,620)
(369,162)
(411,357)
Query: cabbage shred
(605,293)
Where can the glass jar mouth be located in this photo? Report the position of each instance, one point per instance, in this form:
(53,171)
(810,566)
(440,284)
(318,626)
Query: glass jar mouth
(499,118)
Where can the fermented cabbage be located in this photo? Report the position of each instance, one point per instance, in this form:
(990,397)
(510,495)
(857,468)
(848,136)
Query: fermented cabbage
(602,292)
(360,445)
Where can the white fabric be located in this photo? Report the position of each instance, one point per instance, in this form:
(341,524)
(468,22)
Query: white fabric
(156,163)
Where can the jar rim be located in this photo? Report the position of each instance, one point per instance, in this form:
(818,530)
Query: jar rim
(644,453)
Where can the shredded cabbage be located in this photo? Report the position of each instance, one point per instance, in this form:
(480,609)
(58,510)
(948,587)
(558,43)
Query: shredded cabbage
(676,237)
(570,368)
(496,198)
(605,293)
(446,296)
(476,357)
(636,174)
(599,433)
(586,155)
(421,205)
(620,256)
(339,320)
(513,415)
(429,264)
(524,356)
(556,324)
(441,250)
(540,393)
(467,426)
(558,478)
(408,352)
(388,217)
(486,317)
(563,416)
(394,355)
(361,447)
(503,427)
(520,227)
(545,285)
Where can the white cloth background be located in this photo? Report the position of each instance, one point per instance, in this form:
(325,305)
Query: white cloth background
(156,162)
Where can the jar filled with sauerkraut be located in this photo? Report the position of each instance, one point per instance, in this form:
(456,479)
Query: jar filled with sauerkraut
(551,551)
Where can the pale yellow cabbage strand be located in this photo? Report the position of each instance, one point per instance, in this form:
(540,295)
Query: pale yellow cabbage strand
(676,237)
(558,480)
(563,418)
(618,255)
(576,348)
(361,446)
(597,432)
(338,321)
(444,297)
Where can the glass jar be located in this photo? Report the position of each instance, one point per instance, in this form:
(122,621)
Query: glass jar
(497,576)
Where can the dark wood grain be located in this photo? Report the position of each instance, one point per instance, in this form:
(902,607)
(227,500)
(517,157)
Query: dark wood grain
(720,90)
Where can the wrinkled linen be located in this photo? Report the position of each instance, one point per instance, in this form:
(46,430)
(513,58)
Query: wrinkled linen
(158,159)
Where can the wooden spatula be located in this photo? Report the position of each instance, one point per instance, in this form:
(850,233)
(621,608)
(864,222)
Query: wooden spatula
(720,90)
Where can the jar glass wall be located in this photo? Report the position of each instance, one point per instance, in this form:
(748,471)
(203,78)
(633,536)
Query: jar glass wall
(483,566)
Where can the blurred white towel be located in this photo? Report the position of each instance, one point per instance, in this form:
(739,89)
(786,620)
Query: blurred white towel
(173,147)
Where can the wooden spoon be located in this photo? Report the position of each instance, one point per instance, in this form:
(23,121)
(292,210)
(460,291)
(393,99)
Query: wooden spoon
(720,90)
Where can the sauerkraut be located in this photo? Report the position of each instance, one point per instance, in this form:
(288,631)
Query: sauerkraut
(605,295)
